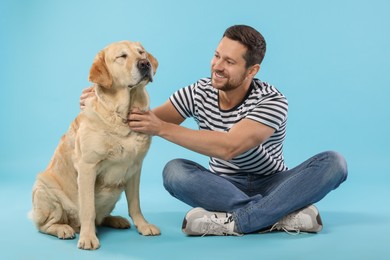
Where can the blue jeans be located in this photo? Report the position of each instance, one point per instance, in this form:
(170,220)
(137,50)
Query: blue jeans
(255,201)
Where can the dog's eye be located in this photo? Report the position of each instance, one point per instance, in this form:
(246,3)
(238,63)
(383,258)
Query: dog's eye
(141,52)
(124,56)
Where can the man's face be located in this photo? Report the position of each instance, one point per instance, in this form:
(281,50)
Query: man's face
(228,67)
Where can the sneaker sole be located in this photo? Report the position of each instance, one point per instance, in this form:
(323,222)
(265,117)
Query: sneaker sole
(184,224)
(318,219)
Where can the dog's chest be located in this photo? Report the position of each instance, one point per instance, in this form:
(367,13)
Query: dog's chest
(124,156)
(126,149)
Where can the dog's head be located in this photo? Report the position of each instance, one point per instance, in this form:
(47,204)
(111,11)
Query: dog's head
(123,64)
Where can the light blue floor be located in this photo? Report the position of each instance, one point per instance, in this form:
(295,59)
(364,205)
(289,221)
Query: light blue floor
(330,58)
(356,226)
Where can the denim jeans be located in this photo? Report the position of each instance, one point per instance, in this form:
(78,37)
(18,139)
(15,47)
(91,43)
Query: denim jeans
(255,201)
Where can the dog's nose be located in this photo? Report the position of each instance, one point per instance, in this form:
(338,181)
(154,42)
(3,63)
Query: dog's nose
(144,65)
(145,68)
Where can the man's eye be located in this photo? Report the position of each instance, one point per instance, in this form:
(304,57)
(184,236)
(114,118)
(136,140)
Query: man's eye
(230,62)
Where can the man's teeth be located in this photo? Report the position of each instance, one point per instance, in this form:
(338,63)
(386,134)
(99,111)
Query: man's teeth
(219,75)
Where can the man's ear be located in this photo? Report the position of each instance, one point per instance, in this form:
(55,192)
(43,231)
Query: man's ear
(153,61)
(99,73)
(253,70)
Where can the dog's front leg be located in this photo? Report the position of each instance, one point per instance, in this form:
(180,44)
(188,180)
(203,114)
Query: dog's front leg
(132,196)
(86,188)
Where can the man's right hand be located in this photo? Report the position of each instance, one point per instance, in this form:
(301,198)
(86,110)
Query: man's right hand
(87,92)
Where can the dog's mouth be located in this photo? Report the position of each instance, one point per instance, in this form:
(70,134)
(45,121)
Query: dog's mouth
(146,72)
(144,80)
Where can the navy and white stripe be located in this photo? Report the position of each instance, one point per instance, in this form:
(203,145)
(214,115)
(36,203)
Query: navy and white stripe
(263,103)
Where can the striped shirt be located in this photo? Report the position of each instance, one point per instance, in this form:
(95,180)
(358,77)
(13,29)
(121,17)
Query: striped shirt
(263,103)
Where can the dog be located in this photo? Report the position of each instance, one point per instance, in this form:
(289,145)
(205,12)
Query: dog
(99,157)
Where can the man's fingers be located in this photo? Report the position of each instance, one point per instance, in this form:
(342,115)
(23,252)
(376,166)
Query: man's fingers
(137,110)
(133,116)
(135,125)
(88,90)
(87,94)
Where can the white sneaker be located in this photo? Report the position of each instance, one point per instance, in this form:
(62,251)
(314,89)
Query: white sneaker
(200,222)
(304,220)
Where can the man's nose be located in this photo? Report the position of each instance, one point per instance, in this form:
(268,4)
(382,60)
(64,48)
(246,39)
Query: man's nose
(217,65)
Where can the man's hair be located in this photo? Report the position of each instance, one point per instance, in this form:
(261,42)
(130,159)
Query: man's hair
(251,39)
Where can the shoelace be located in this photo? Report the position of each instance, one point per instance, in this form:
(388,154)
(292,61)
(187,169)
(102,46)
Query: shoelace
(280,225)
(217,226)
(295,232)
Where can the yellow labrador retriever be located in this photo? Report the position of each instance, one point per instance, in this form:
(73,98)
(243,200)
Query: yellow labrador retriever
(99,157)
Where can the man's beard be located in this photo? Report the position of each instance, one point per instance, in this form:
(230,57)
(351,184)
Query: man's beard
(230,84)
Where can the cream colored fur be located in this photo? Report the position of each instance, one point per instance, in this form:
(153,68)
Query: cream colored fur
(99,157)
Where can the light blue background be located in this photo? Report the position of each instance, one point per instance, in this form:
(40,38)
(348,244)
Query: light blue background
(330,58)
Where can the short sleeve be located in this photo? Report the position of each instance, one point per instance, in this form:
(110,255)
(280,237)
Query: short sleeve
(183,101)
(271,111)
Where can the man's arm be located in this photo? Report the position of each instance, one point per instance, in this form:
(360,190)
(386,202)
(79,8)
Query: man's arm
(243,136)
(168,113)
(165,112)
(165,120)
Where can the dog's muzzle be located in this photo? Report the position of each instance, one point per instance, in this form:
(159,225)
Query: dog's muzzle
(146,70)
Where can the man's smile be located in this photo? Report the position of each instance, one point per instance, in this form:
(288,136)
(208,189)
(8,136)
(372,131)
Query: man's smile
(219,75)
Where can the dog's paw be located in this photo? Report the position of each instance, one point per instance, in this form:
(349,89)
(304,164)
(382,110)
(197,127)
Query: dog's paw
(116,222)
(63,231)
(148,230)
(88,242)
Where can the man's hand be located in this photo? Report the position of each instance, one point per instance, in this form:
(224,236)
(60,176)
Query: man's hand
(144,122)
(87,92)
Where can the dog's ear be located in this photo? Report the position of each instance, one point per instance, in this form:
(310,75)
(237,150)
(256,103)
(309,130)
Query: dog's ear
(99,73)
(153,61)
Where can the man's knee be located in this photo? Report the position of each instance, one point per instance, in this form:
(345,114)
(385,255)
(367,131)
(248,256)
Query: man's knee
(339,165)
(174,172)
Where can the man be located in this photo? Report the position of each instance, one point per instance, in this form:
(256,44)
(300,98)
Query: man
(242,124)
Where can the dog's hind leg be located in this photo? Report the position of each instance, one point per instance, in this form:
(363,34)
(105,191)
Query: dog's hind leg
(62,231)
(116,222)
(49,216)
